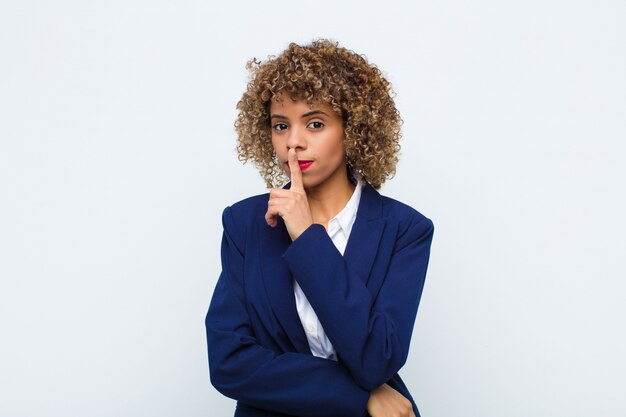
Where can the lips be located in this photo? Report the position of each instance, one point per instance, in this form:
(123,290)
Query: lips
(304,164)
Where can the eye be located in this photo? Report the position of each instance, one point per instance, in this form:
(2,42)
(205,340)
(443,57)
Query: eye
(316,125)
(280,126)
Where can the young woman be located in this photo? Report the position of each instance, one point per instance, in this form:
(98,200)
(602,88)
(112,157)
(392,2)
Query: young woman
(321,279)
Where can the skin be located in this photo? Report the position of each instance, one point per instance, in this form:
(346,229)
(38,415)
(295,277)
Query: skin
(387,402)
(303,132)
(314,132)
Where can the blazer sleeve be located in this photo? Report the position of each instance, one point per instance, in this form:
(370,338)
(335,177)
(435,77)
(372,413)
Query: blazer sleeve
(372,336)
(242,369)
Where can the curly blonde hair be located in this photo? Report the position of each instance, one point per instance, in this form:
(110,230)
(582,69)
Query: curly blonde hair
(322,72)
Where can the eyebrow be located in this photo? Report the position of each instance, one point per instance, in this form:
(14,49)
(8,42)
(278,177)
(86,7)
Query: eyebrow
(311,113)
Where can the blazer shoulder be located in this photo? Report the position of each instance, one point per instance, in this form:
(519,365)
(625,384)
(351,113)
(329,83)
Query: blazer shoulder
(254,203)
(244,213)
(407,217)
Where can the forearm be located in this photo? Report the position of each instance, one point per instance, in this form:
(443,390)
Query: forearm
(371,335)
(290,383)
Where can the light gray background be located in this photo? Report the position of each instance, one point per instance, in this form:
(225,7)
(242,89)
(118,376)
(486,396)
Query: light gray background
(117,158)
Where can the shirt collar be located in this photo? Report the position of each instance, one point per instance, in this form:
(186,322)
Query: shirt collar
(346,217)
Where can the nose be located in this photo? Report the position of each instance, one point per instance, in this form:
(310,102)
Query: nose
(296,138)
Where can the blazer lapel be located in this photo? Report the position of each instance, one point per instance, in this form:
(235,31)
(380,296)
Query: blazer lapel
(366,233)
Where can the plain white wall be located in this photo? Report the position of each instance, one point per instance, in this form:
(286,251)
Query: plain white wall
(117,158)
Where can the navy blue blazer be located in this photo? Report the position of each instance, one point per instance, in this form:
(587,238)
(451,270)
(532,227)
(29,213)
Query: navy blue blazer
(366,301)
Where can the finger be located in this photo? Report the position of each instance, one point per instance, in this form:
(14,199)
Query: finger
(296,174)
(279,201)
(279,207)
(272,212)
(278,193)
(270,217)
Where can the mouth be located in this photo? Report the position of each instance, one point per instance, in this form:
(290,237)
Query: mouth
(304,164)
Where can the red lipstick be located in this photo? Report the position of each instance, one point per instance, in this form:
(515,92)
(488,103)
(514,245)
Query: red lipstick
(304,164)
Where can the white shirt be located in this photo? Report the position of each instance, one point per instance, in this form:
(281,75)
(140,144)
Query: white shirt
(339,228)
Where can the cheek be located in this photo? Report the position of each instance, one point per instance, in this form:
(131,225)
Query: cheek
(339,150)
(276,147)
(279,154)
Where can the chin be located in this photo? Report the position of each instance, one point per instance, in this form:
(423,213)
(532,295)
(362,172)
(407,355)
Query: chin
(310,182)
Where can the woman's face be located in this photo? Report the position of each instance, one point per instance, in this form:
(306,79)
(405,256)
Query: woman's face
(316,132)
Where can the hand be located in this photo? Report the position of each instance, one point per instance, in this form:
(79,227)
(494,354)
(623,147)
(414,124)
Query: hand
(292,205)
(387,402)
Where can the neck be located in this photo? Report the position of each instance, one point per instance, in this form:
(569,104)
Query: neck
(327,199)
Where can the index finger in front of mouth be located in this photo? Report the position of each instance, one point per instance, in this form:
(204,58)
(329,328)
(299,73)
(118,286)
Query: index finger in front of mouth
(296,173)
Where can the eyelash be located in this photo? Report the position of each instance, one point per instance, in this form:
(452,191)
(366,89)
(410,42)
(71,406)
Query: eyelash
(275,127)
